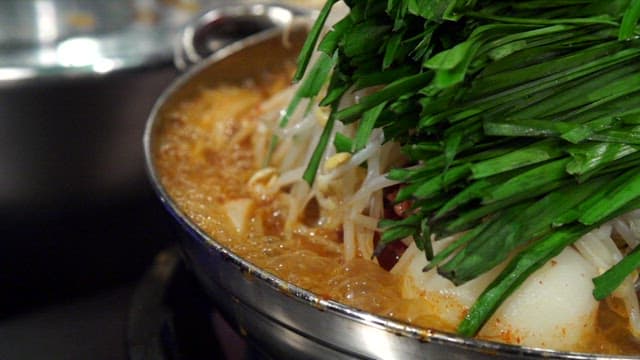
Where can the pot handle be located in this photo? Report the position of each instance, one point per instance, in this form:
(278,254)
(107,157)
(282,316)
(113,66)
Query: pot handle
(226,24)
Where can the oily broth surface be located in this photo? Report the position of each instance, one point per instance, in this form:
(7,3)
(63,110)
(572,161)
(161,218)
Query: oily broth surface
(203,157)
(201,170)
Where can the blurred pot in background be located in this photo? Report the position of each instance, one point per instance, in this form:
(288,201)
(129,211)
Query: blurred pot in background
(77,79)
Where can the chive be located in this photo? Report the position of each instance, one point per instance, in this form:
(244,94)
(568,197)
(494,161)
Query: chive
(485,250)
(532,154)
(310,86)
(516,272)
(454,246)
(529,180)
(342,143)
(611,279)
(630,20)
(366,127)
(615,199)
(605,20)
(590,156)
(431,187)
(312,39)
(392,91)
(520,122)
(312,168)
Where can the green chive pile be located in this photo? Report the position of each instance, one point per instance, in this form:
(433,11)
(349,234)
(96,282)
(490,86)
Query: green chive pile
(520,120)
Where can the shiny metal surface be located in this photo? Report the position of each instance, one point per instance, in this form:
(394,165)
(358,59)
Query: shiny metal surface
(223,25)
(74,145)
(287,320)
(77,80)
(46,21)
(55,38)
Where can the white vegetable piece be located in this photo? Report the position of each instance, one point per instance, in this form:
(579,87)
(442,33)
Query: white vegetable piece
(553,308)
(238,211)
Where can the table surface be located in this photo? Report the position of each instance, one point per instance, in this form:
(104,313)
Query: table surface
(85,327)
(66,282)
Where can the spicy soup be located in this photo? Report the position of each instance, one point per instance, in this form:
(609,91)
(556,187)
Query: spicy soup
(205,155)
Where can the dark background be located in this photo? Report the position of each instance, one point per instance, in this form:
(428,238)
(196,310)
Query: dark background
(67,278)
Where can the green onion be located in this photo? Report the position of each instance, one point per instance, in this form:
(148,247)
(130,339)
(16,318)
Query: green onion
(520,119)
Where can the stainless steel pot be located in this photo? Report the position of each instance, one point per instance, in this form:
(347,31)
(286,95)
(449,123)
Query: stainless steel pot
(77,80)
(287,321)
